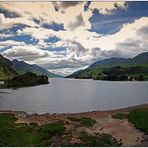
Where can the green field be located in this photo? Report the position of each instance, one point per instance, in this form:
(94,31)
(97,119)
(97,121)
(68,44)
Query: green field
(12,134)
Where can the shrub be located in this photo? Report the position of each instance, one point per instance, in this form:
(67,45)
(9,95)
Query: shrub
(120,116)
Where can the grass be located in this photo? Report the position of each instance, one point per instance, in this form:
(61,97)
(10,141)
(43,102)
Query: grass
(84,121)
(120,116)
(53,134)
(75,119)
(2,86)
(88,122)
(138,117)
(22,135)
(101,140)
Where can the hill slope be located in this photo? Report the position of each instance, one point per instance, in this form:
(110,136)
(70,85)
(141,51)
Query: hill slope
(6,69)
(23,67)
(115,67)
(109,62)
(140,59)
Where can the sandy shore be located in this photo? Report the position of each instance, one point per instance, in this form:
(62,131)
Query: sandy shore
(122,130)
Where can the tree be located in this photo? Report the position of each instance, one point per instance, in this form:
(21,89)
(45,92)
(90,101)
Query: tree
(141,78)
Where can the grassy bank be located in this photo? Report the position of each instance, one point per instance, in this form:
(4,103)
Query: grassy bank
(12,134)
(51,134)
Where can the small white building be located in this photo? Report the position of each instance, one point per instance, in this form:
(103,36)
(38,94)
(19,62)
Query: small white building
(1,82)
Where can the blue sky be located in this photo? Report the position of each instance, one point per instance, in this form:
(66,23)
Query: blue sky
(108,24)
(66,36)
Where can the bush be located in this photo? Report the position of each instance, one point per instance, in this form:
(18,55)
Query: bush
(120,116)
(87,122)
(53,129)
(74,119)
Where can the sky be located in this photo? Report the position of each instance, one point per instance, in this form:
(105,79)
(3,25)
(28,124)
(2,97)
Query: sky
(64,37)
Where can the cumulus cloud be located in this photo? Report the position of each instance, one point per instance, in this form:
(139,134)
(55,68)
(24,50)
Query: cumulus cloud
(63,5)
(69,4)
(107,7)
(9,14)
(143,32)
(45,12)
(82,47)
(6,23)
(77,47)
(28,53)
(78,21)
(66,71)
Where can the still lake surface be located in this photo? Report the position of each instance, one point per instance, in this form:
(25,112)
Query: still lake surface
(73,95)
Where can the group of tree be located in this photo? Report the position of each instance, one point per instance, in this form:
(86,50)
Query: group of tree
(27,79)
(119,73)
(115,73)
(122,77)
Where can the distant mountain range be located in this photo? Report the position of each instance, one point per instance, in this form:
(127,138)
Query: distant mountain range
(23,67)
(9,69)
(137,60)
(112,68)
(103,68)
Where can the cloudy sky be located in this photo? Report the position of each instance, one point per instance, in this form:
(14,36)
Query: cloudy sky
(66,36)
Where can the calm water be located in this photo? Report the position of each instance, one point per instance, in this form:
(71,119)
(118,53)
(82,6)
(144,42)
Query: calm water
(69,95)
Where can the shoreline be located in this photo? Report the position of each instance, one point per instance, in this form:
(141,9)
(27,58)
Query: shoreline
(104,123)
(124,109)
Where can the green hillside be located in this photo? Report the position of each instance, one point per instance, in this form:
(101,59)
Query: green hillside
(6,69)
(23,67)
(116,69)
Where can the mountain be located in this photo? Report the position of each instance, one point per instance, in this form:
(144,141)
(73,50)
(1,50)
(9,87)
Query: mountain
(23,67)
(109,62)
(6,69)
(137,60)
(131,67)
(140,59)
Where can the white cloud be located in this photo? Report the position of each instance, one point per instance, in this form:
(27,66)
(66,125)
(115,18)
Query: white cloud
(82,46)
(66,71)
(3,35)
(12,43)
(6,23)
(45,12)
(26,52)
(107,7)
